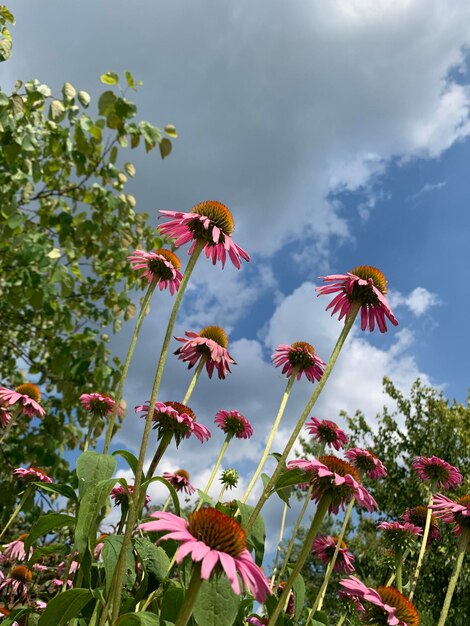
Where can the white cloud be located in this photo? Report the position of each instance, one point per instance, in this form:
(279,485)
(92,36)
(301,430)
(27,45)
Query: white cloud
(425,189)
(418,301)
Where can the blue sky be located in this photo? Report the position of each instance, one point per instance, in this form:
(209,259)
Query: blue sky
(337,133)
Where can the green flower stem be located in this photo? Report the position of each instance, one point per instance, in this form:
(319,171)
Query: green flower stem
(215,470)
(295,433)
(193,382)
(86,441)
(329,570)
(122,521)
(304,554)
(399,570)
(25,496)
(190,597)
(393,575)
(157,457)
(120,388)
(222,491)
(269,443)
(291,543)
(341,620)
(115,592)
(422,550)
(279,545)
(167,504)
(462,548)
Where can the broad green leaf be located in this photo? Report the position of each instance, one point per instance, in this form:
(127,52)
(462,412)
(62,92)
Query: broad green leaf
(165,147)
(299,596)
(106,103)
(170,130)
(257,535)
(130,169)
(4,99)
(93,467)
(69,92)
(110,78)
(153,558)
(134,619)
(64,607)
(171,489)
(320,619)
(132,460)
(110,554)
(84,98)
(130,79)
(91,503)
(47,523)
(172,601)
(63,490)
(216,603)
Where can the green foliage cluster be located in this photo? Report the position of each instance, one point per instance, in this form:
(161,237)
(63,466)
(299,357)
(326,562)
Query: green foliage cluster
(67,225)
(423,424)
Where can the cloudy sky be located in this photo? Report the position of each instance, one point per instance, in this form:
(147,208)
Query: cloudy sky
(337,134)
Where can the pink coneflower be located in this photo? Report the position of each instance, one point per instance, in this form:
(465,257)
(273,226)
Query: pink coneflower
(27,395)
(5,417)
(327,432)
(255,620)
(98,404)
(210,222)
(176,418)
(324,548)
(437,471)
(453,512)
(417,516)
(161,265)
(33,474)
(387,606)
(400,536)
(299,356)
(211,344)
(121,495)
(99,545)
(15,549)
(212,538)
(366,462)
(233,423)
(337,479)
(180,481)
(16,584)
(363,285)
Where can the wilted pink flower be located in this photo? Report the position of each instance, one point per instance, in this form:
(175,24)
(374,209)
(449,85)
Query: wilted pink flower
(451,512)
(417,516)
(33,474)
(16,584)
(400,536)
(212,538)
(99,404)
(336,478)
(15,549)
(27,395)
(363,285)
(327,432)
(389,606)
(180,481)
(366,462)
(300,357)
(121,495)
(176,418)
(161,265)
(437,471)
(233,423)
(5,417)
(210,344)
(324,547)
(210,222)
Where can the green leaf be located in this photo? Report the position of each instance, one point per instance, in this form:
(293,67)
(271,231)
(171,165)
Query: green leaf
(110,554)
(63,490)
(84,98)
(4,99)
(130,169)
(110,78)
(216,603)
(299,596)
(91,503)
(69,92)
(106,103)
(93,467)
(319,619)
(45,524)
(171,130)
(64,607)
(153,558)
(171,489)
(151,135)
(132,461)
(165,147)
(172,601)
(257,536)
(130,80)
(142,618)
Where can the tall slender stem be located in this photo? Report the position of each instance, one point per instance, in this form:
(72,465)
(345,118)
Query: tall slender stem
(462,548)
(24,497)
(216,469)
(190,597)
(125,369)
(116,587)
(341,620)
(308,407)
(422,550)
(193,382)
(269,443)
(305,552)
(321,594)
(157,457)
(279,545)
(291,543)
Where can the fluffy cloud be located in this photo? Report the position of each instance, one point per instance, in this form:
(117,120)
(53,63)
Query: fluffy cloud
(418,301)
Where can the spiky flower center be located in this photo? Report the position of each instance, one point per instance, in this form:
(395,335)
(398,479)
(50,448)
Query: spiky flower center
(160,269)
(233,425)
(338,466)
(22,574)
(301,355)
(330,549)
(325,486)
(29,389)
(99,406)
(327,432)
(417,516)
(364,294)
(229,478)
(218,214)
(218,531)
(23,537)
(405,610)
(216,333)
(461,519)
(183,473)
(365,462)
(166,423)
(182,408)
(436,472)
